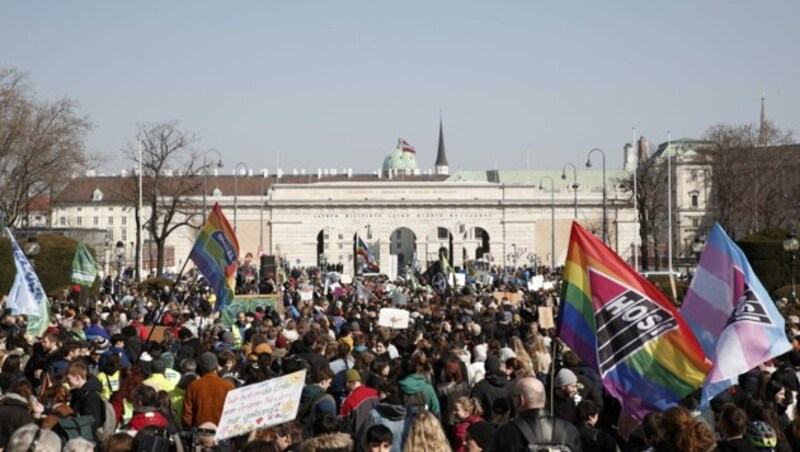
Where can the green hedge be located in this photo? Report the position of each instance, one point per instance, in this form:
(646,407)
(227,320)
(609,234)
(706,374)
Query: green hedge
(53,265)
(764,251)
(662,284)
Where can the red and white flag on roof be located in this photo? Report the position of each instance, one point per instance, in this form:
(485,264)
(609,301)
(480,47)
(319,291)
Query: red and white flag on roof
(407,147)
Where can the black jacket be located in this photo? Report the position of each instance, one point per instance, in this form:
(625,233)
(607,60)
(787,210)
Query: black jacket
(14,413)
(491,389)
(508,438)
(86,400)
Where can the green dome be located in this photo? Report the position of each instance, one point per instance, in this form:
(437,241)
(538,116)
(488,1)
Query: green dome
(401,161)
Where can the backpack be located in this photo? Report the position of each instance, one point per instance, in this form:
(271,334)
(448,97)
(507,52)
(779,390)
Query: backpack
(109,426)
(546,431)
(415,403)
(307,412)
(76,427)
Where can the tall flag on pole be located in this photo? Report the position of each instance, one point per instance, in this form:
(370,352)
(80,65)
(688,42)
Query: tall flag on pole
(364,251)
(27,295)
(216,254)
(405,147)
(727,301)
(622,326)
(84,267)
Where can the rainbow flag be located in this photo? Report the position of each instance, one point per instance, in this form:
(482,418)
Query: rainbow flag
(364,251)
(216,254)
(623,327)
(733,316)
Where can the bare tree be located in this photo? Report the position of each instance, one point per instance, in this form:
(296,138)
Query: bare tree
(171,181)
(751,179)
(40,143)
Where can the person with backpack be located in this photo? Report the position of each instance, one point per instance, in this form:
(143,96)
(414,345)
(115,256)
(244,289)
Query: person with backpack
(85,399)
(315,400)
(390,412)
(534,428)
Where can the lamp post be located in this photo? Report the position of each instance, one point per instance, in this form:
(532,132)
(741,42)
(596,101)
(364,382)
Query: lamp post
(605,196)
(574,185)
(791,245)
(264,174)
(119,252)
(236,192)
(698,246)
(205,173)
(31,250)
(552,219)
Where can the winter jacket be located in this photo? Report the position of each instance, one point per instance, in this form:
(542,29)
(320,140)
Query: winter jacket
(357,406)
(204,399)
(492,388)
(123,357)
(87,400)
(14,413)
(416,384)
(393,415)
(448,393)
(146,416)
(508,438)
(460,433)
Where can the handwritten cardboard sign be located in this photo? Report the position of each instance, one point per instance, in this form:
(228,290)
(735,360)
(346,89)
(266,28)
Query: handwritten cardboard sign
(394,318)
(261,405)
(546,318)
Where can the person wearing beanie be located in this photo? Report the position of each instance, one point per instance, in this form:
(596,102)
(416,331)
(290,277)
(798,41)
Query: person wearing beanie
(360,400)
(493,387)
(480,436)
(565,396)
(205,397)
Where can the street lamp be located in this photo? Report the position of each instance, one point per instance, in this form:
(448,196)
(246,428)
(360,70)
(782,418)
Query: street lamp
(552,219)
(264,175)
(31,250)
(605,196)
(119,252)
(205,172)
(574,184)
(791,245)
(236,191)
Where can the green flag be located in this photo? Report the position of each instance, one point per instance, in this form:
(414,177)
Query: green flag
(84,267)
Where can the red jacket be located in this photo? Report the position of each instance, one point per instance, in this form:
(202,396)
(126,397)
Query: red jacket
(142,419)
(460,433)
(354,399)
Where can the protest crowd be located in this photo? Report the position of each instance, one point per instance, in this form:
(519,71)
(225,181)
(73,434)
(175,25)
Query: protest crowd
(477,367)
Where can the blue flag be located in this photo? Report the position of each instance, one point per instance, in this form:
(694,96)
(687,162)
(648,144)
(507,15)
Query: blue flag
(27,295)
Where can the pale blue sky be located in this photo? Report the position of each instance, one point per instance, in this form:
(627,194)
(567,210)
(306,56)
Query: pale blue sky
(335,83)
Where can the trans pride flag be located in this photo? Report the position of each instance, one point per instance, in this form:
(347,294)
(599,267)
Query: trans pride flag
(216,254)
(727,301)
(621,325)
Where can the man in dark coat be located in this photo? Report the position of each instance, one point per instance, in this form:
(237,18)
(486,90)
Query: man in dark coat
(85,398)
(493,387)
(14,411)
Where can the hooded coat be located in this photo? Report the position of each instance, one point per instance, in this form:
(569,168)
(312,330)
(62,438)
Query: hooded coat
(416,384)
(86,400)
(491,389)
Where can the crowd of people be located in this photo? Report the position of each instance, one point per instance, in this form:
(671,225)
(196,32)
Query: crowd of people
(477,369)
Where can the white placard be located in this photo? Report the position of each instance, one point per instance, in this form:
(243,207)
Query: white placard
(307,294)
(461,279)
(536,283)
(548,285)
(261,405)
(394,318)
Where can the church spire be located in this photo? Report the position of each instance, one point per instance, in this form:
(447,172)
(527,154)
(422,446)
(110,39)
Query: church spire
(441,159)
(763,126)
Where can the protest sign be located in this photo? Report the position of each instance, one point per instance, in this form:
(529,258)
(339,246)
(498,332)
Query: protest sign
(394,318)
(513,297)
(249,303)
(546,318)
(536,283)
(261,405)
(548,285)
(307,293)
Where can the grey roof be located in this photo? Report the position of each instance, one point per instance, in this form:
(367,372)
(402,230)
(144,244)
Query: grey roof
(587,178)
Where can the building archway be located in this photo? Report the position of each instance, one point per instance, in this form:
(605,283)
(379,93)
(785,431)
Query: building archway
(403,244)
(481,236)
(445,238)
(326,240)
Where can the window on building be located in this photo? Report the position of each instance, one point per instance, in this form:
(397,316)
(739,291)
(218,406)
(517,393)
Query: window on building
(111,221)
(79,221)
(79,209)
(124,221)
(97,195)
(62,221)
(96,221)
(443,233)
(694,200)
(695,222)
(124,236)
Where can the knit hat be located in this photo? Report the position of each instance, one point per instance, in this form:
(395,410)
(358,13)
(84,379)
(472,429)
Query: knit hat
(207,362)
(101,344)
(352,375)
(482,432)
(565,377)
(493,365)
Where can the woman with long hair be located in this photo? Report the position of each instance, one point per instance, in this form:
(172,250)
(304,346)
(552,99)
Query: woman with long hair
(526,363)
(426,434)
(122,399)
